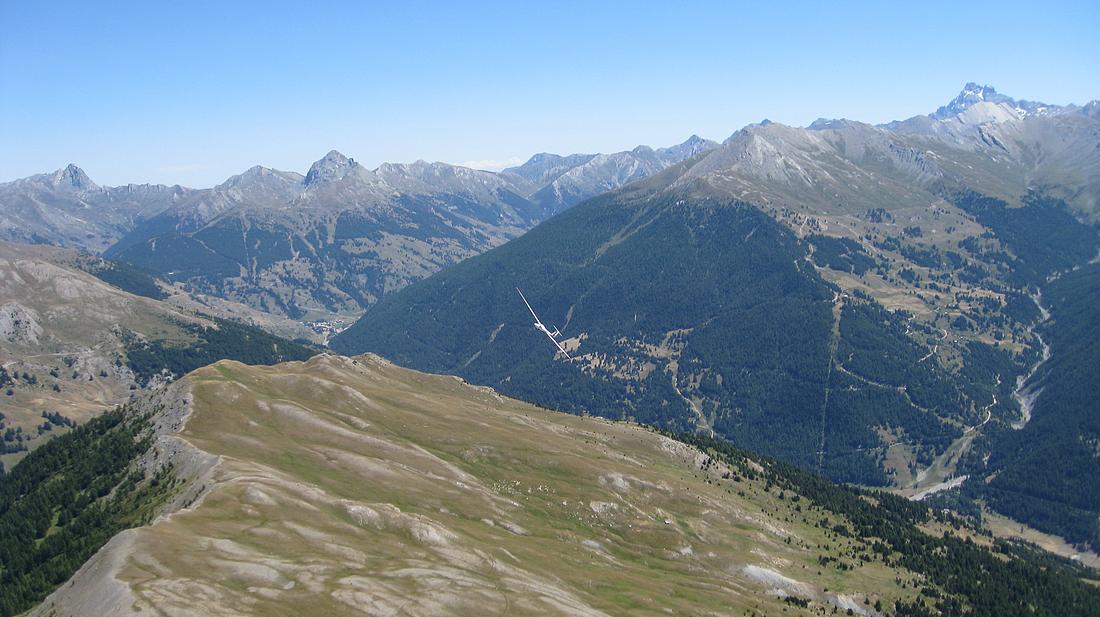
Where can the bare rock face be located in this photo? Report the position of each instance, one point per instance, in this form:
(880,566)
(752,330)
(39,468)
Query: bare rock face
(18,324)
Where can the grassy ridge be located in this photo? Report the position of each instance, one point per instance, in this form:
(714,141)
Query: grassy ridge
(608,513)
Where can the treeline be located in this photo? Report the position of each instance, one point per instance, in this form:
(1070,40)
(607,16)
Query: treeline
(225,340)
(963,578)
(11,439)
(66,499)
(1043,236)
(125,276)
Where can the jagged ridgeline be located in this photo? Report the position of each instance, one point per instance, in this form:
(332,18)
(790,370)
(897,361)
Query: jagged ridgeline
(686,313)
(340,483)
(333,240)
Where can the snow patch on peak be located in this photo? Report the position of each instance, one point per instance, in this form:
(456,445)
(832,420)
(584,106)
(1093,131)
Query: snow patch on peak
(974,95)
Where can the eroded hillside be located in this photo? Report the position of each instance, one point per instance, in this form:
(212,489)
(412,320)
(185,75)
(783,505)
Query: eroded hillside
(73,345)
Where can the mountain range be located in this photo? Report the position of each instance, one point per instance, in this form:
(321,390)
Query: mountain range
(558,182)
(906,307)
(332,241)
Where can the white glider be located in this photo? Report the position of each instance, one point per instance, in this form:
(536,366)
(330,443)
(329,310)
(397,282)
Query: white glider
(553,336)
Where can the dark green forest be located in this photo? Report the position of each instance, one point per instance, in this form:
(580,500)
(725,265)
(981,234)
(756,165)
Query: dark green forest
(1048,473)
(842,254)
(66,499)
(227,340)
(1042,237)
(125,276)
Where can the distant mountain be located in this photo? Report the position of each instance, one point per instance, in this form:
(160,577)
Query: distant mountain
(543,168)
(845,167)
(67,208)
(1013,145)
(332,241)
(973,94)
(851,298)
(565,181)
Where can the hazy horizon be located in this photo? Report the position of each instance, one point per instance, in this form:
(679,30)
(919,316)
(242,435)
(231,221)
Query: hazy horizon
(219,89)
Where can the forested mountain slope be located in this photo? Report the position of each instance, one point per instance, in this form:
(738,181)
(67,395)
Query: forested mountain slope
(1048,471)
(851,298)
(700,314)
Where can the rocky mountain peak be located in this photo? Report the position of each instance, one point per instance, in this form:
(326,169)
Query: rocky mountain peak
(332,166)
(542,157)
(259,178)
(72,178)
(690,147)
(257,171)
(972,94)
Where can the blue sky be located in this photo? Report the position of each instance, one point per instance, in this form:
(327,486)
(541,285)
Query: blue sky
(192,92)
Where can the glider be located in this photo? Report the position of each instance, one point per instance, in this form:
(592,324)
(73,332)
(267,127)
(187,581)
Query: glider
(553,336)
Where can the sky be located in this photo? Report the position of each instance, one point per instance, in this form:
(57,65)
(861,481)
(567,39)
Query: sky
(192,92)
